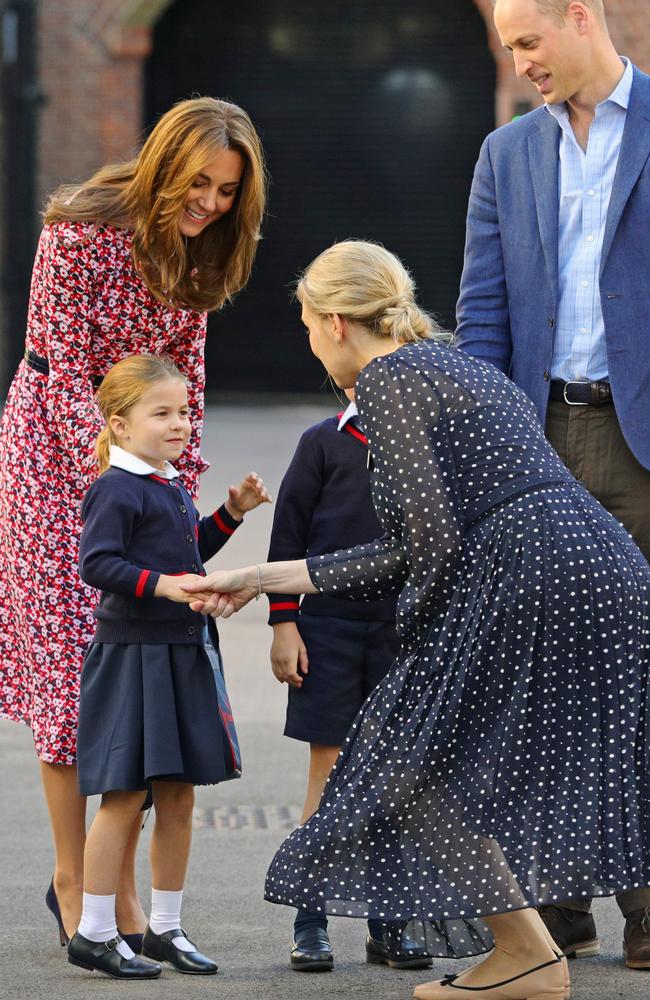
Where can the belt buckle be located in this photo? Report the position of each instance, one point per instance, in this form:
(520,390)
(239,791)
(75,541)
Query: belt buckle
(571,402)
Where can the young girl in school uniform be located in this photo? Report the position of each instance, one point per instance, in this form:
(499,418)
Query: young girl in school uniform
(149,712)
(331,652)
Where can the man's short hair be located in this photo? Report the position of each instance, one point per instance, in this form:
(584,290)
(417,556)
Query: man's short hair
(556,9)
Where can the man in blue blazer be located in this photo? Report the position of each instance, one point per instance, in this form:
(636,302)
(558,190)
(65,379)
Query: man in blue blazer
(556,287)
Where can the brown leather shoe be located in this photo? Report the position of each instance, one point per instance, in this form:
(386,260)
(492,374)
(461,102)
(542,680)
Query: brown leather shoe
(636,939)
(572,930)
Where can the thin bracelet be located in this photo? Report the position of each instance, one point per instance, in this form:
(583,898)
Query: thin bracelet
(259,584)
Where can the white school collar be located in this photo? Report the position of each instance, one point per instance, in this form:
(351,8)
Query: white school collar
(348,415)
(121,459)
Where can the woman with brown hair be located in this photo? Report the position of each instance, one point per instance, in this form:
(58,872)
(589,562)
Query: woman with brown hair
(128,262)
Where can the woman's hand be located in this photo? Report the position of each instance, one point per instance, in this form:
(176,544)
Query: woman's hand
(170,587)
(222,593)
(289,659)
(250,493)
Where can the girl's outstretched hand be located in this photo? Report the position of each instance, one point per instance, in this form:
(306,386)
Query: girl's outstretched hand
(250,493)
(222,593)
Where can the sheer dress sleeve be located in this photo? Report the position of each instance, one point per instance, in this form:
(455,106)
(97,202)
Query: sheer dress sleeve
(414,488)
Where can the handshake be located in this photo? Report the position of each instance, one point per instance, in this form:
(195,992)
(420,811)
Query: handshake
(220,594)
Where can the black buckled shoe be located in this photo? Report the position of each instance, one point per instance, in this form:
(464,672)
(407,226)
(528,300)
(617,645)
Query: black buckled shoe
(102,956)
(312,951)
(396,950)
(160,947)
(572,930)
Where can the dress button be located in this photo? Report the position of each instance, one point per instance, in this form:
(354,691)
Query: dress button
(188,538)
(183,509)
(547,376)
(551,322)
(191,630)
(195,568)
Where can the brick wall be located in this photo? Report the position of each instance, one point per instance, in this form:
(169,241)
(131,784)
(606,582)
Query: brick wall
(629,25)
(92,54)
(91,60)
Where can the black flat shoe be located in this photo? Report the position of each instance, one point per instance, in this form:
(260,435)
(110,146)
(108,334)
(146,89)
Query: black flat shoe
(52,904)
(160,947)
(102,956)
(402,953)
(312,951)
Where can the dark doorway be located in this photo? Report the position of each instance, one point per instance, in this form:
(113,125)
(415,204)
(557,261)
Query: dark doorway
(371,113)
(19,103)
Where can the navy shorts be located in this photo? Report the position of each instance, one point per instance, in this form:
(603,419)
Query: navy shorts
(347,659)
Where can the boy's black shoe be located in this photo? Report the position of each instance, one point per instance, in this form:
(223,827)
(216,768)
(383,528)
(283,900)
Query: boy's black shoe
(103,956)
(160,947)
(311,951)
(408,955)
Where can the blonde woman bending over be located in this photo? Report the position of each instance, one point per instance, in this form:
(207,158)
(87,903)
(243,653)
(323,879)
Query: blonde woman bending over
(459,799)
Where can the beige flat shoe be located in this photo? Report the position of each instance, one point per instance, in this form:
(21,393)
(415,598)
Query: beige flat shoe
(564,962)
(544,982)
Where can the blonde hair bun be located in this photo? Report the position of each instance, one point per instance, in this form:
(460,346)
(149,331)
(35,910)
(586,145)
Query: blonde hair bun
(369,285)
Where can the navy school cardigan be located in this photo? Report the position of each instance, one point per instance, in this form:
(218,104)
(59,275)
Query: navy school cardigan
(135,528)
(324,504)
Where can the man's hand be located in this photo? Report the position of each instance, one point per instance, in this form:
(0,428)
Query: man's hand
(289,659)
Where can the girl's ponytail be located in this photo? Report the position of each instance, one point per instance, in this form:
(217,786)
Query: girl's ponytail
(103,448)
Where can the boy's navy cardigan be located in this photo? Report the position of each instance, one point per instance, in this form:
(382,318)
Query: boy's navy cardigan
(137,527)
(325,504)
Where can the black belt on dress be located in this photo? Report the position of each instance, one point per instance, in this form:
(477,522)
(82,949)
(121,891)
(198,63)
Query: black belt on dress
(581,393)
(41,365)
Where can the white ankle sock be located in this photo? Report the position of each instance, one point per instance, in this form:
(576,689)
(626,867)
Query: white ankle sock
(166,915)
(98,921)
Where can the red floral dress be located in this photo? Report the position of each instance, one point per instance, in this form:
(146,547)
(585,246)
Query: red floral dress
(88,308)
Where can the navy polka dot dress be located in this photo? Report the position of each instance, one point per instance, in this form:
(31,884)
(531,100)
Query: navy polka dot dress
(503,762)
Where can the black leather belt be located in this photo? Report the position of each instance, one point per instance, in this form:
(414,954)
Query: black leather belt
(41,365)
(581,393)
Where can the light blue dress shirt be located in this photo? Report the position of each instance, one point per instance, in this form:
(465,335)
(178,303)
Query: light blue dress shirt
(585,183)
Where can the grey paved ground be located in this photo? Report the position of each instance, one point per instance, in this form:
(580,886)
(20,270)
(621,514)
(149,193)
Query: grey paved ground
(238,825)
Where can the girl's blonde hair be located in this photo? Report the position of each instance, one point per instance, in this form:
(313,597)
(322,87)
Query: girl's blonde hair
(367,284)
(147,195)
(123,385)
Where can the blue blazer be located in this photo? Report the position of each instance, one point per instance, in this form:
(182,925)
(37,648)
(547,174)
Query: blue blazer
(509,288)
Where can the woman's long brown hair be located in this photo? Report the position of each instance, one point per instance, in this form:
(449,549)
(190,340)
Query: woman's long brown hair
(147,196)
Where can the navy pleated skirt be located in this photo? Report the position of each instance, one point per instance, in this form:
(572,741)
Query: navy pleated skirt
(149,712)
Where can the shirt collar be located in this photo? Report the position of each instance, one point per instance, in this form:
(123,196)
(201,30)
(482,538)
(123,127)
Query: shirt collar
(121,459)
(348,415)
(620,94)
